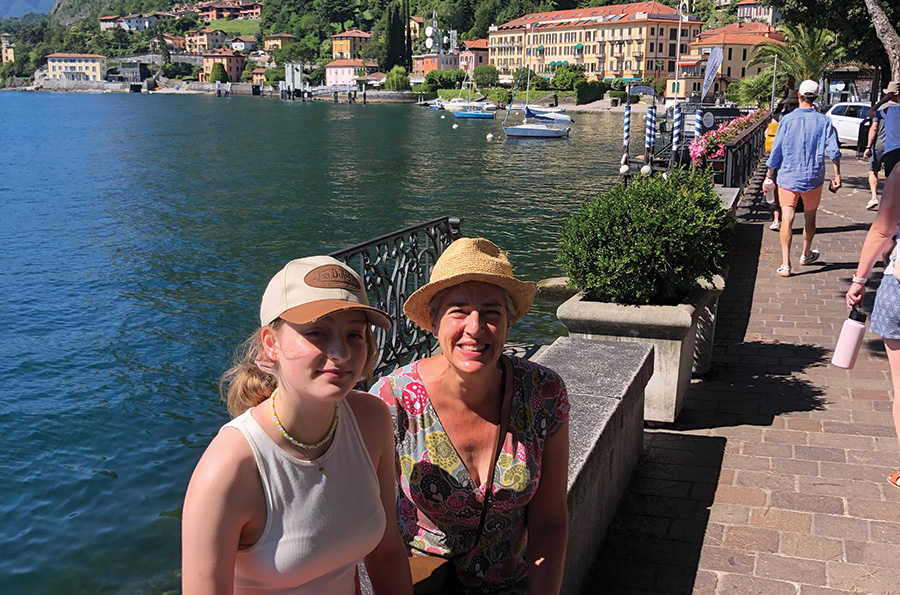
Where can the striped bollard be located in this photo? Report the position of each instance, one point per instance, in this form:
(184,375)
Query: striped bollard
(627,134)
(698,120)
(650,133)
(676,137)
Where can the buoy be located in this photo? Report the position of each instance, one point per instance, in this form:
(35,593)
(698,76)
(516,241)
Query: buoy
(489,136)
(442,117)
(624,169)
(455,125)
(646,170)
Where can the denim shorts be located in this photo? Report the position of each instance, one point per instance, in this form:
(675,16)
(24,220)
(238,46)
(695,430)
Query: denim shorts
(886,313)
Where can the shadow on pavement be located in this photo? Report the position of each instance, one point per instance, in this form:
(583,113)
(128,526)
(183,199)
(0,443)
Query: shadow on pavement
(653,544)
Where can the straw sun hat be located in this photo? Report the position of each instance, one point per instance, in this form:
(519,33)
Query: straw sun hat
(470,259)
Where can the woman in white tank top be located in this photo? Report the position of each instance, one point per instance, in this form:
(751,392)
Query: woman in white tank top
(299,488)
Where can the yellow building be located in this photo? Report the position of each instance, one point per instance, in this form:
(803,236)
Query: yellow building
(232,61)
(76,67)
(737,42)
(349,44)
(7,49)
(277,41)
(201,40)
(628,41)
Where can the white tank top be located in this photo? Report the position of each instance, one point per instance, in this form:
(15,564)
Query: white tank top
(318,527)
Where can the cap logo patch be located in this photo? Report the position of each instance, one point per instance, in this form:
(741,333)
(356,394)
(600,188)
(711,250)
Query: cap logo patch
(331,276)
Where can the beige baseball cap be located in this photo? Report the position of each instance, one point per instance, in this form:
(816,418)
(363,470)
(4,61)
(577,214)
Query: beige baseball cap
(310,288)
(809,88)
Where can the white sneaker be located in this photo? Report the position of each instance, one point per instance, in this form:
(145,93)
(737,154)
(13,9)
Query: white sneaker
(775,226)
(872,205)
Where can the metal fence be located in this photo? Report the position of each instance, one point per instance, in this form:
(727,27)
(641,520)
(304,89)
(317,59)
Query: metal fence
(392,267)
(742,155)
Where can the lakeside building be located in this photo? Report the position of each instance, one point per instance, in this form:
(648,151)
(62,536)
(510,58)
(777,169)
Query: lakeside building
(755,11)
(244,43)
(473,54)
(259,76)
(175,42)
(276,41)
(628,41)
(425,63)
(737,42)
(252,10)
(349,44)
(201,40)
(233,62)
(345,72)
(76,67)
(7,48)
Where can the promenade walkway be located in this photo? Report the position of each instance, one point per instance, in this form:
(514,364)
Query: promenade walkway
(772,480)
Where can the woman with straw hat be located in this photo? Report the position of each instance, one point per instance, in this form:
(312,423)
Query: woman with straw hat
(481,437)
(298,488)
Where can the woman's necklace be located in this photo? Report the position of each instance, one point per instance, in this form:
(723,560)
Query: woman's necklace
(303,445)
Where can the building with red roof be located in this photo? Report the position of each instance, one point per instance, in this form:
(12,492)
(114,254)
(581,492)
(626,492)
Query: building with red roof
(345,72)
(349,44)
(627,41)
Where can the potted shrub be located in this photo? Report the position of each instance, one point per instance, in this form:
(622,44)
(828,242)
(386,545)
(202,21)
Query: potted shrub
(637,255)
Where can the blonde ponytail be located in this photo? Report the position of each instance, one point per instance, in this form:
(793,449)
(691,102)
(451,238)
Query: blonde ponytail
(245,385)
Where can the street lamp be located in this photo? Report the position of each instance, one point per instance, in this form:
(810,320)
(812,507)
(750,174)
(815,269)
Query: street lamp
(681,8)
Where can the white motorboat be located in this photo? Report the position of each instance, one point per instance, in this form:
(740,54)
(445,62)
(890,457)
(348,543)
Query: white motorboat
(535,130)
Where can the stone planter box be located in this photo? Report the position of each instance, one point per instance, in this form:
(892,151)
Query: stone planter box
(672,330)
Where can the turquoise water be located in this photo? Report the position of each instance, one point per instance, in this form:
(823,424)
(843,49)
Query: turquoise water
(137,234)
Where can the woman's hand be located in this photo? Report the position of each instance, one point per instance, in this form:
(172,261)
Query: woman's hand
(855,294)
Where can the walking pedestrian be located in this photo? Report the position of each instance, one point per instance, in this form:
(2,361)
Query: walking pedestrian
(890,119)
(875,152)
(878,244)
(798,153)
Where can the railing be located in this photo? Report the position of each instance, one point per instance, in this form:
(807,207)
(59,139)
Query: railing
(742,154)
(392,267)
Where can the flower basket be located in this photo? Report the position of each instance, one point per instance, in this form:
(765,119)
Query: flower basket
(710,147)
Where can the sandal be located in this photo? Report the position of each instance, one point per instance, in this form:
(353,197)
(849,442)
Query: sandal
(813,256)
(894,479)
(784,271)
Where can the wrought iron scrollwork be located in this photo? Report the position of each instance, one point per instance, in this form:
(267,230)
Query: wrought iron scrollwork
(392,267)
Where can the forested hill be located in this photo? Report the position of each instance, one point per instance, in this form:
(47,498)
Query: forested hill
(471,18)
(17,8)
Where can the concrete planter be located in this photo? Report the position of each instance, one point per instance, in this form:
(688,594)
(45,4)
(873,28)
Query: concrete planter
(672,330)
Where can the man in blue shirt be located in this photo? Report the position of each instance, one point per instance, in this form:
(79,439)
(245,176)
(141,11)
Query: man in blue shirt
(890,119)
(798,153)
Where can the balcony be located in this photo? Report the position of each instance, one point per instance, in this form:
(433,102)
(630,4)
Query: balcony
(638,54)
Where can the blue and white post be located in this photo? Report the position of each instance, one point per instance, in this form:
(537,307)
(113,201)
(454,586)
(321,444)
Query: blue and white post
(627,135)
(698,121)
(650,134)
(676,137)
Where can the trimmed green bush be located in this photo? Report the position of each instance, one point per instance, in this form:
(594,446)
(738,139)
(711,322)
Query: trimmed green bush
(648,242)
(618,94)
(732,97)
(586,92)
(634,98)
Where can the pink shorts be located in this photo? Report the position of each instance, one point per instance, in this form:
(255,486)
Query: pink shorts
(811,198)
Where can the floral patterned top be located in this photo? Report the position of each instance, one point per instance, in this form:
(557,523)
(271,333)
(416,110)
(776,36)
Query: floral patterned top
(439,507)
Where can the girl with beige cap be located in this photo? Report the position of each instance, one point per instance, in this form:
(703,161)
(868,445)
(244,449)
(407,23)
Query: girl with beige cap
(298,488)
(481,437)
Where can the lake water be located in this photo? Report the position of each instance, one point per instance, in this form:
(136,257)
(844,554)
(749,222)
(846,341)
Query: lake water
(137,233)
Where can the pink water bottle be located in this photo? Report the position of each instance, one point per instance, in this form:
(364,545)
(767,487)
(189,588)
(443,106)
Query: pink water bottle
(849,342)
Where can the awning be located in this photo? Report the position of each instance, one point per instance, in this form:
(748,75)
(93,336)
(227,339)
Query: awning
(579,46)
(540,48)
(564,63)
(688,62)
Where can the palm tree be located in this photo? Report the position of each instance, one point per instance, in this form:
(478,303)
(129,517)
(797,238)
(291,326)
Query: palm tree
(757,89)
(806,53)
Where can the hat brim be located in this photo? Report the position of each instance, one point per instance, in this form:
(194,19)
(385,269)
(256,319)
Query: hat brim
(416,306)
(312,311)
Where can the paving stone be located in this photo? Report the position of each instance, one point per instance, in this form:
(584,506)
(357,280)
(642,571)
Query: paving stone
(799,545)
(862,578)
(783,520)
(751,539)
(810,572)
(740,584)
(807,502)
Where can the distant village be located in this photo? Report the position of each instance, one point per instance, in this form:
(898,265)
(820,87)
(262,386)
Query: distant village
(628,41)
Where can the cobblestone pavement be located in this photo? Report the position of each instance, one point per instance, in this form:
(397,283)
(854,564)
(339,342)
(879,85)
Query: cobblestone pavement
(772,480)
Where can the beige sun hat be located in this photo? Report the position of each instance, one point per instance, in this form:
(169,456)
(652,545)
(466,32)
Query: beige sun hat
(310,288)
(470,259)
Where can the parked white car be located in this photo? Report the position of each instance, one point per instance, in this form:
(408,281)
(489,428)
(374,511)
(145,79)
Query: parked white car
(846,118)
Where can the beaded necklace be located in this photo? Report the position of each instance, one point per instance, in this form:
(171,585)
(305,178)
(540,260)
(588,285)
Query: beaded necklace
(297,443)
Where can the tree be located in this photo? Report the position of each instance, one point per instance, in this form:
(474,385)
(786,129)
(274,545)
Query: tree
(863,27)
(567,76)
(165,56)
(316,77)
(396,80)
(806,53)
(396,35)
(375,52)
(756,90)
(218,74)
(486,76)
(247,75)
